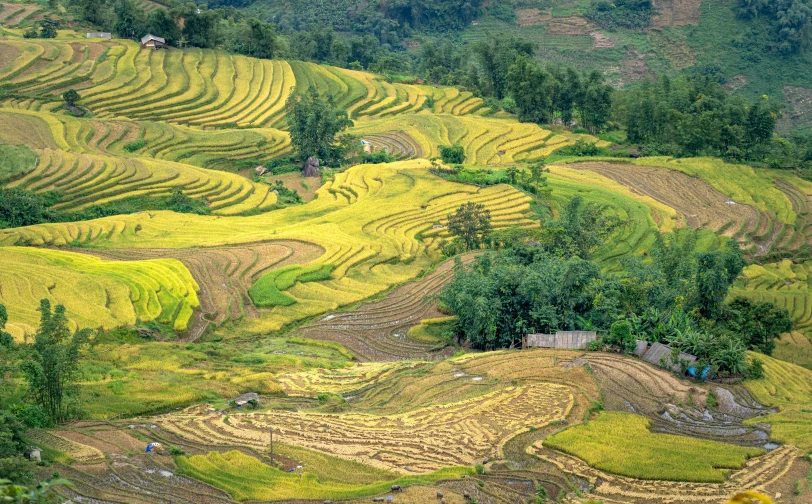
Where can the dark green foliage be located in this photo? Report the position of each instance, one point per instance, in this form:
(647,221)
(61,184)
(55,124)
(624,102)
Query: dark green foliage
(581,148)
(51,363)
(471,223)
(620,336)
(11,435)
(503,296)
(20,494)
(32,415)
(47,28)
(536,283)
(314,123)
(790,21)
(71,97)
(696,116)
(494,58)
(130,20)
(378,157)
(582,229)
(161,23)
(19,207)
(530,87)
(439,15)
(612,15)
(13,466)
(453,154)
(134,145)
(6,341)
(759,324)
(200,26)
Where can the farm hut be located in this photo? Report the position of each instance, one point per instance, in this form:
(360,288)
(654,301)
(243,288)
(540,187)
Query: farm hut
(658,353)
(561,339)
(243,399)
(35,454)
(640,348)
(151,41)
(101,35)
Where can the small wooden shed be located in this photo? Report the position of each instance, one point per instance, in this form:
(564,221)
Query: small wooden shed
(578,340)
(243,399)
(151,41)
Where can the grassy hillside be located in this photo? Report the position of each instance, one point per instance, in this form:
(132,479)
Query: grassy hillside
(684,35)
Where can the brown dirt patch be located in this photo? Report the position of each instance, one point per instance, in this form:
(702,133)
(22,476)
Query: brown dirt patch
(8,53)
(736,82)
(571,25)
(634,68)
(305,186)
(531,17)
(676,13)
(78,52)
(601,41)
(799,105)
(675,50)
(699,204)
(27,130)
(17,18)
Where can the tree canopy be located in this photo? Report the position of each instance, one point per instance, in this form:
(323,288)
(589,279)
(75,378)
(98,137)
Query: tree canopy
(314,123)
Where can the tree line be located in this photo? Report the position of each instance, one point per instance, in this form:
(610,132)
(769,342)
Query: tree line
(544,281)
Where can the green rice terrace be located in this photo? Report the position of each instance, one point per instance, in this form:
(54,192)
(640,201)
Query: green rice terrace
(265,326)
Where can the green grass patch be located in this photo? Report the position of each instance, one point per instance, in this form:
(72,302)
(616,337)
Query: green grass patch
(16,160)
(246,478)
(267,291)
(621,443)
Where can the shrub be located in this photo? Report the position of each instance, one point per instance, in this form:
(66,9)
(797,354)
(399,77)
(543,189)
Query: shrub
(134,146)
(71,97)
(620,336)
(32,415)
(453,154)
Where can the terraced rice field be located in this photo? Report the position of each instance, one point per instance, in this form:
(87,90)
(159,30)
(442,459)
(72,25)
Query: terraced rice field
(164,141)
(12,14)
(787,387)
(697,204)
(107,294)
(379,331)
(762,190)
(604,444)
(224,274)
(674,406)
(786,284)
(84,180)
(771,473)
(367,220)
(487,141)
(200,87)
(406,418)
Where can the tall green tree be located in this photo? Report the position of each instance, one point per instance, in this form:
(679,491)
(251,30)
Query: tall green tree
(531,89)
(51,364)
(471,223)
(161,23)
(758,324)
(715,273)
(314,122)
